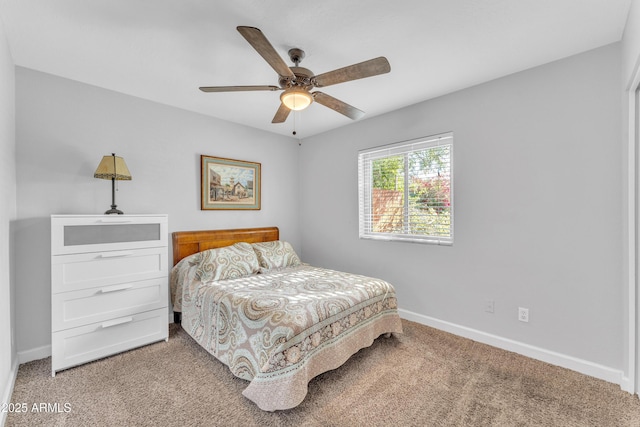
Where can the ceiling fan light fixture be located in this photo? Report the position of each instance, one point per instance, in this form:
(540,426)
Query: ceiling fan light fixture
(296,99)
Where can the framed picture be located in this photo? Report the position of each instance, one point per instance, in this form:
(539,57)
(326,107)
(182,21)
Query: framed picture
(229,184)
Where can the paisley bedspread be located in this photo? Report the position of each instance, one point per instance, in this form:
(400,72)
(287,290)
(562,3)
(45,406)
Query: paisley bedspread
(282,328)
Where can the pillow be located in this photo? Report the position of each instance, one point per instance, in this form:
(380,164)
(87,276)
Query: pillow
(229,262)
(182,273)
(276,254)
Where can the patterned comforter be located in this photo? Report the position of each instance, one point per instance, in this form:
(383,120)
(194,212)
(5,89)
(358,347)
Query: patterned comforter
(282,328)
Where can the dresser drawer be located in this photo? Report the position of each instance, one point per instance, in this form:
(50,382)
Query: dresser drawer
(80,345)
(95,233)
(91,270)
(78,308)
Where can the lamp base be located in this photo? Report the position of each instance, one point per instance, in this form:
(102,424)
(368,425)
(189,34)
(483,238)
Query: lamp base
(113,210)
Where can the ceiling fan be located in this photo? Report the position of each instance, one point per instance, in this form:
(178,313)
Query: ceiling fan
(297,82)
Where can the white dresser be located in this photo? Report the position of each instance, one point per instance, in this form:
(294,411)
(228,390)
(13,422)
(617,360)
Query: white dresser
(109,285)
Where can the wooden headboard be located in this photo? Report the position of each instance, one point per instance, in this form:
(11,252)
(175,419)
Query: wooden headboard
(186,243)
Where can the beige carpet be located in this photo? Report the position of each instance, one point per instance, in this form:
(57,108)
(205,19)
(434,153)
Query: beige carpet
(424,377)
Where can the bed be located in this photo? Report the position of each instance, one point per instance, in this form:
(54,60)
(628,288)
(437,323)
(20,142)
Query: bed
(245,297)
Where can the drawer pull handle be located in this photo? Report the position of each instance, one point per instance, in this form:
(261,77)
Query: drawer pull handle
(115,322)
(116,288)
(115,254)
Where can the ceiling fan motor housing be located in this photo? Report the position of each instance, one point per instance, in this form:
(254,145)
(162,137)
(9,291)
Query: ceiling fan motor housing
(303,78)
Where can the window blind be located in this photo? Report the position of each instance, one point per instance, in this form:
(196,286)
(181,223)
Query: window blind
(406,191)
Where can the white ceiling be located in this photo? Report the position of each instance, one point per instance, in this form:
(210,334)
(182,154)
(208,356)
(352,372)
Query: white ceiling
(163,50)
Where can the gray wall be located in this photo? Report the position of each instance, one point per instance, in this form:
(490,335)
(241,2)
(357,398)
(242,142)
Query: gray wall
(63,130)
(538,208)
(630,47)
(631,43)
(7,215)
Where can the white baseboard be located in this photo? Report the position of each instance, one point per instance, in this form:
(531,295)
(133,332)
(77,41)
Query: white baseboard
(625,384)
(579,365)
(34,354)
(8,391)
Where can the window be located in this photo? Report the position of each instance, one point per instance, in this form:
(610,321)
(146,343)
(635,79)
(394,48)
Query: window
(406,191)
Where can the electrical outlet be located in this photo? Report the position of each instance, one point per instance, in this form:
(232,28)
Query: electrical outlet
(489,305)
(523,314)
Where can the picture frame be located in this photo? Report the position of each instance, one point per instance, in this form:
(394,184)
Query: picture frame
(227,184)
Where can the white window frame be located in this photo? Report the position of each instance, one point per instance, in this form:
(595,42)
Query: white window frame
(365,157)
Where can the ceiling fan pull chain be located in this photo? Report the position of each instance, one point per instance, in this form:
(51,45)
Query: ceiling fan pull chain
(295,114)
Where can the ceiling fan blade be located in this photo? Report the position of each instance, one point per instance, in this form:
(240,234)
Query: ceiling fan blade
(236,88)
(337,105)
(369,68)
(281,114)
(260,43)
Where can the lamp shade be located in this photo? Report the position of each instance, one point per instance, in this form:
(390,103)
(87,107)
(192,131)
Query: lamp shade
(296,99)
(112,167)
